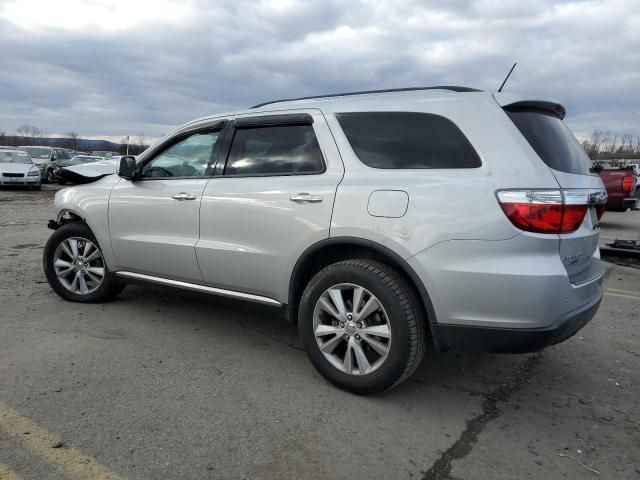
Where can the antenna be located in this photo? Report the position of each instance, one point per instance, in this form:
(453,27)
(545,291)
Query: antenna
(507,77)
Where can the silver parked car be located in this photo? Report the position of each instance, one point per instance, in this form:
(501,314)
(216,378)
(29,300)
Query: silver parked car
(46,159)
(383,223)
(17,169)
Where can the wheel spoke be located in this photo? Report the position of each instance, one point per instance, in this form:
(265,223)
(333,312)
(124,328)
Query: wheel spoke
(83,285)
(87,249)
(379,347)
(94,278)
(322,330)
(74,284)
(330,345)
(357,298)
(338,301)
(93,255)
(377,330)
(347,363)
(361,358)
(73,243)
(61,263)
(327,307)
(96,270)
(371,306)
(65,249)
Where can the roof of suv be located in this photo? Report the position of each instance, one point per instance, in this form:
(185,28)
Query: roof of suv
(368,92)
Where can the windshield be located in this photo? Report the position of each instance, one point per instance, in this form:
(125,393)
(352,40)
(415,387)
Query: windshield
(15,157)
(552,140)
(37,152)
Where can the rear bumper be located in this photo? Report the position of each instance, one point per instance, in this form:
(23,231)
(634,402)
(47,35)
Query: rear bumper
(630,202)
(514,340)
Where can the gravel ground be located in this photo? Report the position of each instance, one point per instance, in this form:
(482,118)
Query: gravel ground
(163,384)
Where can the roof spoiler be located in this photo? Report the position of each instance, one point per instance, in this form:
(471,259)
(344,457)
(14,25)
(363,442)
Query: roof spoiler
(510,100)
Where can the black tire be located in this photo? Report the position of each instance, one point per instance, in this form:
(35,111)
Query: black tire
(50,176)
(407,322)
(110,286)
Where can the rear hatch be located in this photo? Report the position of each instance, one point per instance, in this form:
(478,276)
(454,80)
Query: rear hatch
(541,124)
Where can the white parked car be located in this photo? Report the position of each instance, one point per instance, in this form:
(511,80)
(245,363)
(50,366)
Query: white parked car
(17,169)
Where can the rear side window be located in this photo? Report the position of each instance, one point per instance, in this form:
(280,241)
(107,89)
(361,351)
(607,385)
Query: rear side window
(552,140)
(398,140)
(277,150)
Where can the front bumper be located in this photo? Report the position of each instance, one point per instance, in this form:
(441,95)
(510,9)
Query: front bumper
(513,340)
(20,181)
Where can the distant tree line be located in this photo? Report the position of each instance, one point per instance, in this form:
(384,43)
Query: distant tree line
(606,145)
(32,135)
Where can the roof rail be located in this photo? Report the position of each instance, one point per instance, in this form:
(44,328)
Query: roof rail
(364,92)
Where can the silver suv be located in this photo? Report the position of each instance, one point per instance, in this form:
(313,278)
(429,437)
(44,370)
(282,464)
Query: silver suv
(383,223)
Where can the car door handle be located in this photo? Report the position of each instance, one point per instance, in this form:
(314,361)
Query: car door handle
(184,196)
(306,198)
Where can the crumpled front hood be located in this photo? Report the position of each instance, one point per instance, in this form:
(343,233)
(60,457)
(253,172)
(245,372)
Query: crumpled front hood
(88,172)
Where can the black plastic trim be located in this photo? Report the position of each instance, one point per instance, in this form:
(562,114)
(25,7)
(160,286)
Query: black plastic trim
(365,92)
(514,340)
(274,120)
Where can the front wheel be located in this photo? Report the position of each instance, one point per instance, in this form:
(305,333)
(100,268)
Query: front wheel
(362,326)
(50,176)
(75,267)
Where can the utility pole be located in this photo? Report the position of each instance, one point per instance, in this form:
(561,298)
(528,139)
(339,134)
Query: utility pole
(127,144)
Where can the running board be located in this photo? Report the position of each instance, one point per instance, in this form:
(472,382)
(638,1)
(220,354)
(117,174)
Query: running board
(200,288)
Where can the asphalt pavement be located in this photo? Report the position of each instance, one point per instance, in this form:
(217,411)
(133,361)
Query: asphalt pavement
(164,384)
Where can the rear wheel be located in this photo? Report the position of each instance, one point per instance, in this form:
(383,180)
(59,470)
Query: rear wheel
(362,326)
(75,267)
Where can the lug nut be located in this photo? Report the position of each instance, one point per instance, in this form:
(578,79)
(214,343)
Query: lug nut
(341,324)
(86,265)
(346,336)
(359,324)
(357,337)
(349,316)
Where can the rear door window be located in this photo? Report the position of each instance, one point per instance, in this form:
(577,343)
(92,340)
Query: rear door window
(402,140)
(552,140)
(275,150)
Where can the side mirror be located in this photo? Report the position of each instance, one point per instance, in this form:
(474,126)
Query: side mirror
(127,168)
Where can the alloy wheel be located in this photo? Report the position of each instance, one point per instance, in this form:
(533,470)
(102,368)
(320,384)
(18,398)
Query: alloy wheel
(79,265)
(352,329)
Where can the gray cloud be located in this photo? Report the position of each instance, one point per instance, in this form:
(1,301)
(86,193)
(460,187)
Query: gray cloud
(226,55)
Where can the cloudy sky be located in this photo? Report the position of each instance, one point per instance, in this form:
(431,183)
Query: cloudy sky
(118,67)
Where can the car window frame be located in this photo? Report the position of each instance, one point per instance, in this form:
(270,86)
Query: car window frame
(221,126)
(263,120)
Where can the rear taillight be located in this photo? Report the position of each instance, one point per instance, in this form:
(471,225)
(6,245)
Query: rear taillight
(548,211)
(627,183)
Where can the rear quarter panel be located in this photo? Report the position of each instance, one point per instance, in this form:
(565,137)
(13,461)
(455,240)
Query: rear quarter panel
(444,204)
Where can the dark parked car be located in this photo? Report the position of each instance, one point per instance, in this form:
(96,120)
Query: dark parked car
(621,189)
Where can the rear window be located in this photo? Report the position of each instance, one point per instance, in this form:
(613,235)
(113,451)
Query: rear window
(399,140)
(552,140)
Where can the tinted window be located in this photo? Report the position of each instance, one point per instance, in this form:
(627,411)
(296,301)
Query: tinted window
(278,150)
(407,140)
(186,158)
(552,140)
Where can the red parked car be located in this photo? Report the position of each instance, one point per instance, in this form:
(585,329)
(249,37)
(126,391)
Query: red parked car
(621,189)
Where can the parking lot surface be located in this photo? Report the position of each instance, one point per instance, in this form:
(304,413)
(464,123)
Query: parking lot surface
(164,384)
